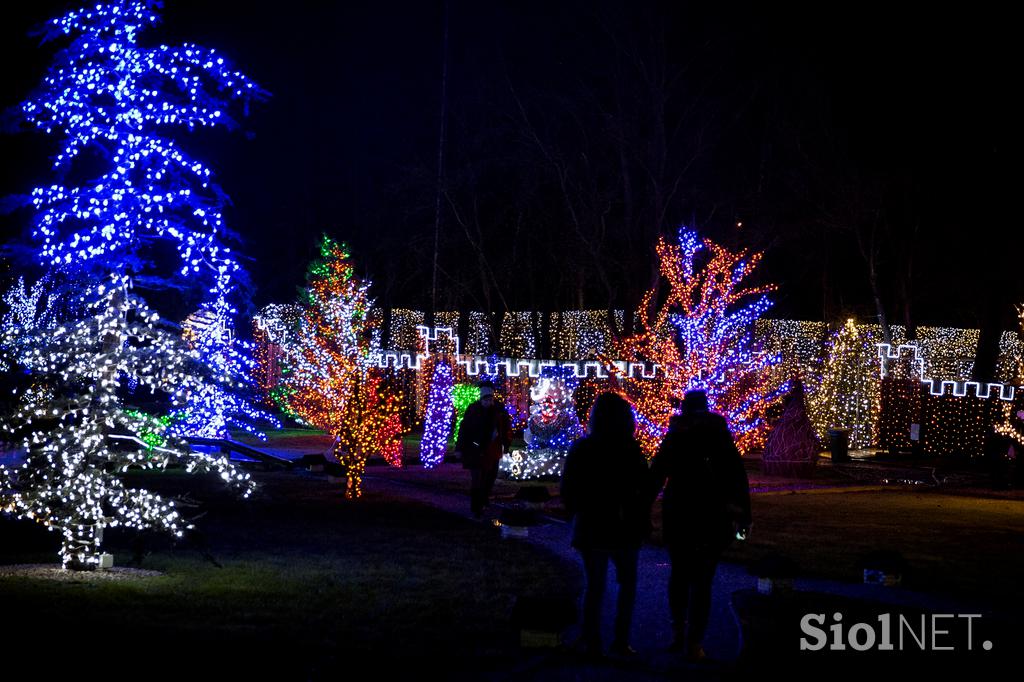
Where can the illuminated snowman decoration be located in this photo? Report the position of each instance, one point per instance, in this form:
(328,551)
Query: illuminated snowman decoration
(553,422)
(551,429)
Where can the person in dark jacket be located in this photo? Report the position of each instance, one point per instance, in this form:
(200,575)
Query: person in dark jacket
(605,487)
(706,503)
(485,434)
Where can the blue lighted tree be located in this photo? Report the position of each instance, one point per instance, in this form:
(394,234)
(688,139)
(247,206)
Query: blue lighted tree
(123,189)
(220,404)
(110,99)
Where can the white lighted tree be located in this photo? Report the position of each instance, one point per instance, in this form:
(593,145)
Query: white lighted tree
(78,436)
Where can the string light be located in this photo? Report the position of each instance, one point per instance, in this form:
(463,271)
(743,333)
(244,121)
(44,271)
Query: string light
(332,385)
(899,409)
(516,399)
(404,328)
(948,352)
(582,334)
(848,395)
(27,313)
(1010,366)
(463,395)
(702,337)
(438,423)
(553,426)
(909,352)
(522,465)
(1012,423)
(800,346)
(517,337)
(958,425)
(953,416)
(106,95)
(219,406)
(70,480)
(792,445)
(273,333)
(553,422)
(800,343)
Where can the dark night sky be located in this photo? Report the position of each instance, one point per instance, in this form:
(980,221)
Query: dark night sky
(918,95)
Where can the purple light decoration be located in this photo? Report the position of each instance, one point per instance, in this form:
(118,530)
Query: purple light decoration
(438,423)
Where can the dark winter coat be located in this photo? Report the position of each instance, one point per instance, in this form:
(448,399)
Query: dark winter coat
(707,491)
(605,487)
(485,432)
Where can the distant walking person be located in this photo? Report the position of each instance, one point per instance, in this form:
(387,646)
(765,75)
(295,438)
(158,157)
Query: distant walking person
(484,435)
(706,502)
(605,486)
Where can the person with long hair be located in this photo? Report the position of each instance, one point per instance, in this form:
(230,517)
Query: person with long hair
(605,487)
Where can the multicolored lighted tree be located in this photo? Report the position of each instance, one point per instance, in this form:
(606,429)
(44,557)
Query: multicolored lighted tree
(330,382)
(701,336)
(112,102)
(273,332)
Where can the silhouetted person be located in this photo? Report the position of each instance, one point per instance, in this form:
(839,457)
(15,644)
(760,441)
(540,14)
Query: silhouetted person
(484,435)
(605,487)
(706,499)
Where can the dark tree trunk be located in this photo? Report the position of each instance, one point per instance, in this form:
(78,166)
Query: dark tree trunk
(876,295)
(987,356)
(545,335)
(497,320)
(908,319)
(462,328)
(385,329)
(613,324)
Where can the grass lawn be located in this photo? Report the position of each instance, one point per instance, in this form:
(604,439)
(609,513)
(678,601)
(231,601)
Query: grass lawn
(309,585)
(954,544)
(960,543)
(298,583)
(310,441)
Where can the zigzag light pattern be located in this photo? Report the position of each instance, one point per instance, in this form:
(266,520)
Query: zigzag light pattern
(939,387)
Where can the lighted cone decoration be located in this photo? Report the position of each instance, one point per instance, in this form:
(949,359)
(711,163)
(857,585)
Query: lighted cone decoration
(792,448)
